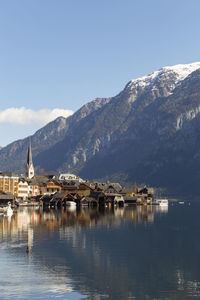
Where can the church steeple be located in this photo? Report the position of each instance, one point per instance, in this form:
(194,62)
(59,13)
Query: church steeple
(29,164)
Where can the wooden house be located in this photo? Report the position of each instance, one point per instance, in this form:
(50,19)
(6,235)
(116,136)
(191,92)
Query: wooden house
(84,189)
(49,187)
(69,187)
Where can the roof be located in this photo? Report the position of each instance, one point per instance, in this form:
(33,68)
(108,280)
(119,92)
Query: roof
(109,185)
(59,195)
(8,174)
(23,179)
(42,180)
(70,184)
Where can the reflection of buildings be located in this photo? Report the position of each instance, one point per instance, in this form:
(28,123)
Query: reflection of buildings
(161,209)
(29,239)
(22,224)
(113,262)
(26,218)
(90,242)
(19,227)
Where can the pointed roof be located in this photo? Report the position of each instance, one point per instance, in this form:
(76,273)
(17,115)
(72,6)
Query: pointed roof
(29,156)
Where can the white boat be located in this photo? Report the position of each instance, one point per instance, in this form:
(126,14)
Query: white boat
(71,203)
(161,202)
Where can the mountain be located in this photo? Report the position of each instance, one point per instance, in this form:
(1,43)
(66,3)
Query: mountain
(149,132)
(13,157)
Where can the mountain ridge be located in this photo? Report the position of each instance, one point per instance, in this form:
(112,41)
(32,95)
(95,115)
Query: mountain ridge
(131,136)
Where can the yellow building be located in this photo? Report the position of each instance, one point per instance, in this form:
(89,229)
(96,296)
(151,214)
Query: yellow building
(75,187)
(50,187)
(84,189)
(9,183)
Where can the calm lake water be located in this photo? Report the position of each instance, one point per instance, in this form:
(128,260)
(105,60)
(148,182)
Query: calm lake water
(126,253)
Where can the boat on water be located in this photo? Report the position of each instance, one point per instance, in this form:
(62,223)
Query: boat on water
(71,203)
(161,202)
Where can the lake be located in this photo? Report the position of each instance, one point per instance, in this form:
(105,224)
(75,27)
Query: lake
(141,252)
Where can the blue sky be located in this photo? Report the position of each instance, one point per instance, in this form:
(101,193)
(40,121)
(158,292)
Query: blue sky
(60,54)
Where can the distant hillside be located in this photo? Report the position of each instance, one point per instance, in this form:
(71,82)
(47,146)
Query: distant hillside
(149,133)
(13,157)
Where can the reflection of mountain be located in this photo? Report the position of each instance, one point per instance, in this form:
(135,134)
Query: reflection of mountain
(153,260)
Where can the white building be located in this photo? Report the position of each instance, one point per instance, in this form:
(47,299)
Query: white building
(69,177)
(23,189)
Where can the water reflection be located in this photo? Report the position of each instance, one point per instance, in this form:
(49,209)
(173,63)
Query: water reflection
(25,219)
(139,252)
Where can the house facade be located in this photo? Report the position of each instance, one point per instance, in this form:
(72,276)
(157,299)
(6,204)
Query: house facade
(9,183)
(23,189)
(50,187)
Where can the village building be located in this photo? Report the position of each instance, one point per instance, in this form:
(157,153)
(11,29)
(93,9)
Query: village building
(9,183)
(33,188)
(108,192)
(69,187)
(23,188)
(74,187)
(106,188)
(70,177)
(84,189)
(48,186)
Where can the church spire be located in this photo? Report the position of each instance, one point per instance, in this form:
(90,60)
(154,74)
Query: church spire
(29,156)
(29,164)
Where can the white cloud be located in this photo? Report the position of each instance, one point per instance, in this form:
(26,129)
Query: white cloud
(25,116)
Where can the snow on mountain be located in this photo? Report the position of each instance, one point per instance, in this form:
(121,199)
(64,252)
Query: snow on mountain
(180,72)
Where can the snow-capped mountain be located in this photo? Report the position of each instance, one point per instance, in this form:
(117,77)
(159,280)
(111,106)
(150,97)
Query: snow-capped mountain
(149,132)
(180,72)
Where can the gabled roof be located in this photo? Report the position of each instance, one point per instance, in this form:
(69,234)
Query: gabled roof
(106,186)
(70,184)
(88,184)
(8,174)
(33,181)
(23,179)
(43,180)
(58,195)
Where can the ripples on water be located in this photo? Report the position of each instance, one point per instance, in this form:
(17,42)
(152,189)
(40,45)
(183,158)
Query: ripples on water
(139,252)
